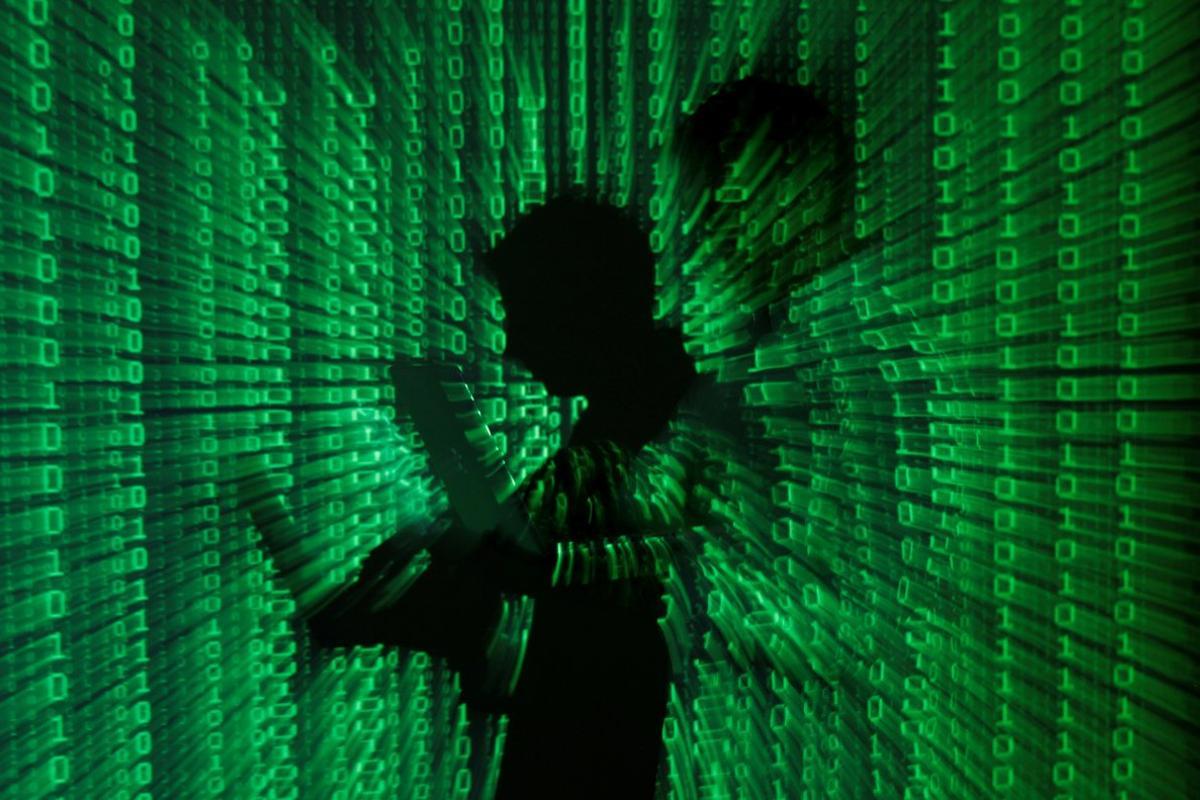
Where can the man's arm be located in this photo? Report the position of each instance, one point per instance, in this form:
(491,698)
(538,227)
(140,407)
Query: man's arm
(602,490)
(401,596)
(607,513)
(447,610)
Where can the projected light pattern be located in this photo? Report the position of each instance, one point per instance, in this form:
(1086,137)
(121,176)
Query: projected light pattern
(953,557)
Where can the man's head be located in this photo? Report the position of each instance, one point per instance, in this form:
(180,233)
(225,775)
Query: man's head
(577,284)
(577,277)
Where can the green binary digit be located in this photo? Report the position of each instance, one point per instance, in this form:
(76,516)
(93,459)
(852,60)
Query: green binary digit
(947,553)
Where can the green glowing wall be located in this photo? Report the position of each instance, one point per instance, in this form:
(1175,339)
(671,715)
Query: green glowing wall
(218,219)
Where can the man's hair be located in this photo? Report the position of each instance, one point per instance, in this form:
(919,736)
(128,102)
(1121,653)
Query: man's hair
(587,255)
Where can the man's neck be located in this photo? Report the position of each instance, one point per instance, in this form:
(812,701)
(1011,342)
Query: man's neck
(634,411)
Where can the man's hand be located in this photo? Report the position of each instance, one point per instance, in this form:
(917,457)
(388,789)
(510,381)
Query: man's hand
(510,568)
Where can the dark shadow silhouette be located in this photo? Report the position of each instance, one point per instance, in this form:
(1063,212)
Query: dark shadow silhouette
(788,122)
(576,279)
(797,122)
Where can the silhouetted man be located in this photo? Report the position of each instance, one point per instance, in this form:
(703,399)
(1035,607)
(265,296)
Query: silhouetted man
(577,283)
(576,279)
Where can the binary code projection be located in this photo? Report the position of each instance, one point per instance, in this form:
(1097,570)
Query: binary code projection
(950,553)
